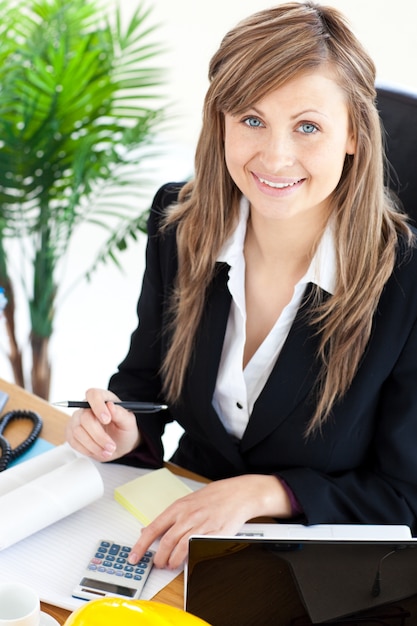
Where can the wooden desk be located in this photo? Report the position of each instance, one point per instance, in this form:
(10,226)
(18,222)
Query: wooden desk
(54,422)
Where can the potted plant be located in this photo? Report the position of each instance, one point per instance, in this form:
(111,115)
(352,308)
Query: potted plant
(79,107)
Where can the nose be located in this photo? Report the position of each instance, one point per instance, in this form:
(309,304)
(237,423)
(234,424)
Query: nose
(277,152)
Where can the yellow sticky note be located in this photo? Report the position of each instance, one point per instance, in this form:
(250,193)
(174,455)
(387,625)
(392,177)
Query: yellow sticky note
(148,495)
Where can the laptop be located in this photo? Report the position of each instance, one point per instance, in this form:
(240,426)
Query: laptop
(256,580)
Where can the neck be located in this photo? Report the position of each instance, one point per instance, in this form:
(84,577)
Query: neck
(288,242)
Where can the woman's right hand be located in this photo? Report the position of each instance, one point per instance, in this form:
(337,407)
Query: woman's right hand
(105,431)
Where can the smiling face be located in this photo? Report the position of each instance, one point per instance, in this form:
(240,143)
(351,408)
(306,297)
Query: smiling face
(286,152)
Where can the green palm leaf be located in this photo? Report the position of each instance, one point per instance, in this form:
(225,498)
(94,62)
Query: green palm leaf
(79,107)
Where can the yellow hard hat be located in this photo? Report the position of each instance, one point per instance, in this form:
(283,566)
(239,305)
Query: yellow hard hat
(123,612)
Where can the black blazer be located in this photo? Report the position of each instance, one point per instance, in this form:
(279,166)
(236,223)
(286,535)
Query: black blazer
(362,467)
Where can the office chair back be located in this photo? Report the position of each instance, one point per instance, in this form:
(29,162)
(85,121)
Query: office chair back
(398,111)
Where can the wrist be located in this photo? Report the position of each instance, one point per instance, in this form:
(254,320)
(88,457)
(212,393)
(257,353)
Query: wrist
(267,496)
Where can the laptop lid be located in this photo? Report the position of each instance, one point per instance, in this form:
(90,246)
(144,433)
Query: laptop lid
(256,581)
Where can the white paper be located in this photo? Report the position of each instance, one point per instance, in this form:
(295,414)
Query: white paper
(47,499)
(53,559)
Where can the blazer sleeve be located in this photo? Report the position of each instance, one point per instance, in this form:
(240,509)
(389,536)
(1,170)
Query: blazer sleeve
(138,376)
(383,488)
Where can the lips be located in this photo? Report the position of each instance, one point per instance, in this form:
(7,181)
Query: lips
(279,185)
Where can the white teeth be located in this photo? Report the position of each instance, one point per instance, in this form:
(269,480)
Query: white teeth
(278,185)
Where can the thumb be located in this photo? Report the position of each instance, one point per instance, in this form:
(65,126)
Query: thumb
(118,415)
(105,417)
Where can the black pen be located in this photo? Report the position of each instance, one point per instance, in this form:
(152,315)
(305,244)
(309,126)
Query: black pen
(135,407)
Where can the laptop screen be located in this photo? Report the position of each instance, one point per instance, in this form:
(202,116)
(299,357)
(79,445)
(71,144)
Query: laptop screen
(247,581)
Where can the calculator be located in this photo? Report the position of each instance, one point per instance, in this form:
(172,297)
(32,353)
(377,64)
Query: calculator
(108,573)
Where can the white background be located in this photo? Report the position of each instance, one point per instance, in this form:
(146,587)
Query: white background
(94,321)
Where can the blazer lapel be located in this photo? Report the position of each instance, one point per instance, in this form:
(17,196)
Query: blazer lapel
(290,382)
(202,380)
(291,379)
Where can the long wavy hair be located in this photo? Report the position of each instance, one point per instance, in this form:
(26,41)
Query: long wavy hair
(258,56)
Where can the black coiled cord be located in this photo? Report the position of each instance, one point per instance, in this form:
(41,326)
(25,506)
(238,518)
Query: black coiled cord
(9,454)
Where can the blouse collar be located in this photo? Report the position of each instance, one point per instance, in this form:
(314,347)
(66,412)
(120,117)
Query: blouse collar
(322,269)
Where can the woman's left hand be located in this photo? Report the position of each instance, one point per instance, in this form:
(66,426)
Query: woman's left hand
(219,508)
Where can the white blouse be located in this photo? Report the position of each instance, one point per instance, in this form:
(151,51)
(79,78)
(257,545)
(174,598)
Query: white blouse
(237,389)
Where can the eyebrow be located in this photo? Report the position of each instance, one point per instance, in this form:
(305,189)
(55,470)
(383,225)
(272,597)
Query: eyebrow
(296,115)
(293,117)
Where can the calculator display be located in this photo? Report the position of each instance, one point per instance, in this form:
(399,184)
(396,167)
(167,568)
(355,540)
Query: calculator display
(93,584)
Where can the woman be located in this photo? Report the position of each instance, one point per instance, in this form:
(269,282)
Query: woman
(278,309)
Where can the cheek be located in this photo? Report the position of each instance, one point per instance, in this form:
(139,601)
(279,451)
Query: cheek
(231,140)
(228,150)
(230,163)
(240,147)
(329,160)
(236,157)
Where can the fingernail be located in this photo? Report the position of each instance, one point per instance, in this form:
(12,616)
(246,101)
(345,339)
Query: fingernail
(133,558)
(105,418)
(109,449)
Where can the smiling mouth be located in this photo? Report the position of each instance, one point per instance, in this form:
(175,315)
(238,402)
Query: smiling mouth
(279,185)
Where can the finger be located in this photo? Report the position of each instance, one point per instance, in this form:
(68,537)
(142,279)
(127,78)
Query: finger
(175,552)
(173,545)
(148,535)
(97,399)
(87,435)
(180,553)
(173,549)
(120,417)
(173,527)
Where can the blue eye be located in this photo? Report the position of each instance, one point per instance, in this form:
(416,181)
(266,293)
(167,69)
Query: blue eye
(308,128)
(253,122)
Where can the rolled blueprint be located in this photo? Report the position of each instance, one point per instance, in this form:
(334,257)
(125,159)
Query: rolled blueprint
(58,486)
(22,473)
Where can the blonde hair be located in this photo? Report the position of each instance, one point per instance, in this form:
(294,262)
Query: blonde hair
(256,57)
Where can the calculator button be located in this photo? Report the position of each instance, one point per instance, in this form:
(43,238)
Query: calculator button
(112,559)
